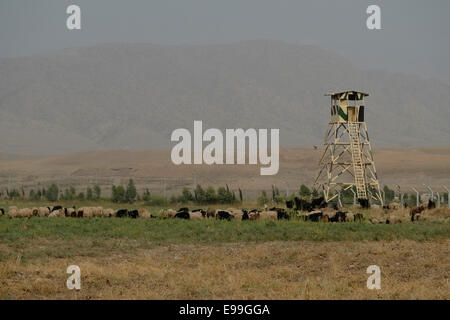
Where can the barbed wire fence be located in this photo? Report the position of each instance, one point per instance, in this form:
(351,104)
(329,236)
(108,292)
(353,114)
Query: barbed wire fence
(173,186)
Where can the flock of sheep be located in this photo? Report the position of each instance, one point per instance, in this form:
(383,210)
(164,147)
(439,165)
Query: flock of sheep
(182,213)
(315,212)
(83,212)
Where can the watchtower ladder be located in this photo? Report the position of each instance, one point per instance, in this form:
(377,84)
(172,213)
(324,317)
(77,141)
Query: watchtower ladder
(358,165)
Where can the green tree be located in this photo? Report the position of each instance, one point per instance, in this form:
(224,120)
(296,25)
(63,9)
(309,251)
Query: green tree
(118,194)
(81,196)
(210,195)
(32,195)
(89,194)
(186,195)
(130,193)
(199,194)
(222,195)
(97,192)
(263,199)
(389,194)
(13,194)
(315,194)
(52,193)
(304,191)
(69,193)
(146,195)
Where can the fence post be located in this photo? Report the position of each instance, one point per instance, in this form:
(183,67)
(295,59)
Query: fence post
(448,196)
(432,193)
(438,199)
(417,196)
(339,199)
(354,196)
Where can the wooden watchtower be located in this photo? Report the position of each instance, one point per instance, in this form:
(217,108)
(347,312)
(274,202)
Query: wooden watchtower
(347,160)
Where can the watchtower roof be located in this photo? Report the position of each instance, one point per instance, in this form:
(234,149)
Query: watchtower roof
(348,95)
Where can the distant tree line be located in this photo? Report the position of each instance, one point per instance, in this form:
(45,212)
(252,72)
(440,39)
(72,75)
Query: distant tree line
(199,195)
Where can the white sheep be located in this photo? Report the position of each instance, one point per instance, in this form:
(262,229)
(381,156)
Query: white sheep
(43,211)
(144,213)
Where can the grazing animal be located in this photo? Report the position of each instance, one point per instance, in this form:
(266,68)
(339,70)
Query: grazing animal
(268,215)
(56,213)
(393,220)
(392,206)
(108,213)
(418,217)
(13,212)
(96,211)
(416,210)
(318,203)
(203,212)
(314,216)
(359,217)
(289,204)
(144,213)
(25,213)
(364,203)
(88,212)
(281,213)
(302,205)
(35,212)
(2,211)
(245,215)
(253,215)
(56,208)
(169,213)
(374,221)
(80,213)
(133,214)
(210,213)
(349,217)
(70,212)
(237,213)
(122,213)
(338,217)
(182,215)
(196,215)
(43,211)
(224,215)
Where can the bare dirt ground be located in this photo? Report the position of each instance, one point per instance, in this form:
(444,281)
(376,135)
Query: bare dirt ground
(154,170)
(273,270)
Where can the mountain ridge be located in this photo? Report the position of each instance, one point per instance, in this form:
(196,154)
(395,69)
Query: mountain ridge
(119,96)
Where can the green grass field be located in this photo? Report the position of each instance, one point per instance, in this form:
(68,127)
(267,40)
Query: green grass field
(64,237)
(123,258)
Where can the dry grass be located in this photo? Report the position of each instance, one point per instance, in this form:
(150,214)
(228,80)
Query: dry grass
(438,214)
(271,270)
(149,167)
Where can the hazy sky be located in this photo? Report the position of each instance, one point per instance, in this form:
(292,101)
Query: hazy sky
(414,39)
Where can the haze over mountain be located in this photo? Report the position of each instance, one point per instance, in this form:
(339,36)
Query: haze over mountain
(120,96)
